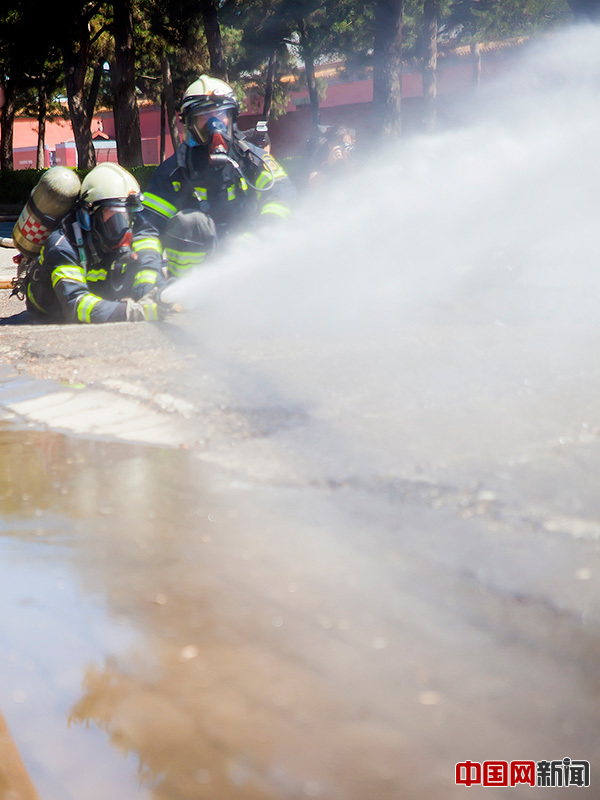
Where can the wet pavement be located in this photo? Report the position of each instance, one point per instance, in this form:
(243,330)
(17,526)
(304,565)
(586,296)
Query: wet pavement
(305,590)
(170,632)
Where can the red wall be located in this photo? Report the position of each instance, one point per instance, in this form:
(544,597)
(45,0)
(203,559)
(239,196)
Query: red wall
(26,157)
(150,127)
(345,103)
(66,154)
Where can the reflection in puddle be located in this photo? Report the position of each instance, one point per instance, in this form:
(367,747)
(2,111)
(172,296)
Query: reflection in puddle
(14,780)
(170,633)
(156,641)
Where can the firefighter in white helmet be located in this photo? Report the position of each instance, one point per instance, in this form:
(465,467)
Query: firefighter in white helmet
(217,184)
(87,271)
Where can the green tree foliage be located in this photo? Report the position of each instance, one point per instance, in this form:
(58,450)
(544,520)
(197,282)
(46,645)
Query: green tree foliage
(175,29)
(253,42)
(82,37)
(13,63)
(497,19)
(258,54)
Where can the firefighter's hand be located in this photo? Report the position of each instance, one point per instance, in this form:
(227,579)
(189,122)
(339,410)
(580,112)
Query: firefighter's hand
(335,155)
(148,308)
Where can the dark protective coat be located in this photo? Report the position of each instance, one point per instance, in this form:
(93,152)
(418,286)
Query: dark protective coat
(237,203)
(74,284)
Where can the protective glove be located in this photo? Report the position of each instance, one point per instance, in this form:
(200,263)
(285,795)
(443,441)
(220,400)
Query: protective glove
(148,308)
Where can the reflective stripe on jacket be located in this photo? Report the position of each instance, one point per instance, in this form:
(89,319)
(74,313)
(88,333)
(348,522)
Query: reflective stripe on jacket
(61,289)
(187,180)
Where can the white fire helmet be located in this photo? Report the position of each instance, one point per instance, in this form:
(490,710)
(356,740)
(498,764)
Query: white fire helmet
(208,111)
(109,196)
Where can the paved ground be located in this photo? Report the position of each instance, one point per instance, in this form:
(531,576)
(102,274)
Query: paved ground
(136,361)
(443,529)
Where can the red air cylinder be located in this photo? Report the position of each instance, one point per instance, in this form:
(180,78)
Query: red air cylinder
(52,198)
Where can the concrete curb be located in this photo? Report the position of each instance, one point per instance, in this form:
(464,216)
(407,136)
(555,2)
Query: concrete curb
(89,412)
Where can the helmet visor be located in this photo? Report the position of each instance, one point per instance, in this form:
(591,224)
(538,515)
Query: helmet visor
(112,225)
(204,124)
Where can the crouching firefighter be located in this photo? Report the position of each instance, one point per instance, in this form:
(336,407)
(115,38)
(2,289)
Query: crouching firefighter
(87,271)
(217,185)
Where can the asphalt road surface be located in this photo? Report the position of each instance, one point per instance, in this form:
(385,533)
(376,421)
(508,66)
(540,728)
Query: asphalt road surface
(341,592)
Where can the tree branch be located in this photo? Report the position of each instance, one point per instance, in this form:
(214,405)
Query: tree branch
(92,10)
(99,33)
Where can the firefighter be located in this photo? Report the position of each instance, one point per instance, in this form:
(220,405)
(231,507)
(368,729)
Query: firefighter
(87,271)
(218,184)
(330,153)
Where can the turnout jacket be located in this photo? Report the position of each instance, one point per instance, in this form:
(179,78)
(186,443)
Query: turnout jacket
(72,283)
(238,201)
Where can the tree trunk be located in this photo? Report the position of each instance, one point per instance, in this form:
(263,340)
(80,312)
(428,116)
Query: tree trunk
(127,118)
(42,111)
(212,31)
(94,89)
(309,71)
(476,55)
(6,126)
(75,63)
(163,128)
(431,10)
(271,70)
(387,67)
(167,81)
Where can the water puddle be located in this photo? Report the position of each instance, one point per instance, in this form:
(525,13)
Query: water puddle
(69,509)
(159,640)
(170,631)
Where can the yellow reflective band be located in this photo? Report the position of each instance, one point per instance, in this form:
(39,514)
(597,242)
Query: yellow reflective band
(201,192)
(264,179)
(85,306)
(266,176)
(67,274)
(231,192)
(279,209)
(96,275)
(179,272)
(159,204)
(181,262)
(243,184)
(151,243)
(145,276)
(41,256)
(274,166)
(150,312)
(31,297)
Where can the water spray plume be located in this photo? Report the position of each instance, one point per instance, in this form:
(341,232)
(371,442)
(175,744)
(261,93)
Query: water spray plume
(514,189)
(416,264)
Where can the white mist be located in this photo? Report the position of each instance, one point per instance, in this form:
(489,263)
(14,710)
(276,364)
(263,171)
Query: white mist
(451,272)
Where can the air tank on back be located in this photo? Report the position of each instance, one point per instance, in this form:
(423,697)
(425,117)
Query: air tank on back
(52,198)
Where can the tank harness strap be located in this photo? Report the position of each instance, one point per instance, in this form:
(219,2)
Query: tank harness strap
(80,245)
(49,222)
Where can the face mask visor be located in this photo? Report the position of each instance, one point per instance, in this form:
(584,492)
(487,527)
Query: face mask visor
(205,124)
(112,225)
